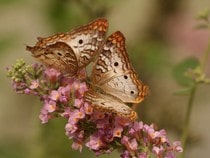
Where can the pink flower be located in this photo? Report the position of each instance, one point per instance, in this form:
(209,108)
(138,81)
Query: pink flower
(117,132)
(19,87)
(75,116)
(78,102)
(125,154)
(82,74)
(52,74)
(106,134)
(27,91)
(43,116)
(103,123)
(170,155)
(143,155)
(102,132)
(157,150)
(79,89)
(50,106)
(54,95)
(95,143)
(162,135)
(88,109)
(64,93)
(122,121)
(131,144)
(138,126)
(136,129)
(34,84)
(70,129)
(177,146)
(66,113)
(98,115)
(82,88)
(77,146)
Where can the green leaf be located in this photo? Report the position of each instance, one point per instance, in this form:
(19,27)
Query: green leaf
(203,15)
(185,91)
(202,26)
(150,54)
(180,70)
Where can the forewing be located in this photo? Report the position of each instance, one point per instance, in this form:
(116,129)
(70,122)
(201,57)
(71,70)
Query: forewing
(58,55)
(84,41)
(113,72)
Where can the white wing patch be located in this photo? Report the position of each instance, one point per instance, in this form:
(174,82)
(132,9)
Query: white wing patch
(106,103)
(114,74)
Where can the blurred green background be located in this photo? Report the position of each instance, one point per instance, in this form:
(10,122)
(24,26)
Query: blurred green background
(161,41)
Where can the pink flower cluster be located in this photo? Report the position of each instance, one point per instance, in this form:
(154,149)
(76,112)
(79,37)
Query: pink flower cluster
(62,96)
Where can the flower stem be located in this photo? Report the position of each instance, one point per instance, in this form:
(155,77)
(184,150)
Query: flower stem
(187,119)
(205,57)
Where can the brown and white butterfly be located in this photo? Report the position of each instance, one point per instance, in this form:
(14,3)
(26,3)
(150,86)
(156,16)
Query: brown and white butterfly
(71,51)
(114,81)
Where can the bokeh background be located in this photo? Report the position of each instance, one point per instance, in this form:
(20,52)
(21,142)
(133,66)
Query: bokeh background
(160,34)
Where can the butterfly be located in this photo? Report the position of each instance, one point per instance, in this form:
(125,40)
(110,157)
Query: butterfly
(71,51)
(114,81)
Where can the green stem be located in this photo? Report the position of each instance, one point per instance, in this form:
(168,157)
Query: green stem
(191,100)
(187,119)
(205,57)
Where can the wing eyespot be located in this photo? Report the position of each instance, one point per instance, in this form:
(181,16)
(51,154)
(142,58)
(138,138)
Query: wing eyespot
(80,41)
(59,54)
(116,64)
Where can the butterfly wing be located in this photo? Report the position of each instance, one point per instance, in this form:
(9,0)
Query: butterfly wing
(114,74)
(84,41)
(58,55)
(106,103)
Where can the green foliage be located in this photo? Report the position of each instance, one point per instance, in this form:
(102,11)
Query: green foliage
(56,144)
(202,26)
(61,14)
(203,15)
(7,2)
(152,55)
(66,13)
(179,71)
(17,149)
(196,76)
(6,42)
(203,18)
(18,70)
